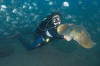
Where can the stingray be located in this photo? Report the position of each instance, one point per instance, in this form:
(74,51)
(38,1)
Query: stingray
(77,33)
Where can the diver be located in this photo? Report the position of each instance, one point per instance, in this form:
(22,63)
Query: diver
(51,28)
(45,32)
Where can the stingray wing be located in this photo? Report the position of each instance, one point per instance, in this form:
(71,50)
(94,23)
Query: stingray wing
(80,35)
(77,33)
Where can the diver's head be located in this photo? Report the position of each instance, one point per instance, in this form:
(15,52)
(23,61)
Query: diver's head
(56,19)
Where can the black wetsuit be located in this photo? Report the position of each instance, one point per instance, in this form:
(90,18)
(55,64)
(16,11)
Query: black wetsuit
(48,25)
(42,32)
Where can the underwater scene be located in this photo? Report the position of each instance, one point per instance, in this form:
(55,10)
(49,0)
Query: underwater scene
(79,33)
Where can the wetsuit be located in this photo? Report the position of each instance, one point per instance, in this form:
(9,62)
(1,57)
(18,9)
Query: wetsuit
(46,31)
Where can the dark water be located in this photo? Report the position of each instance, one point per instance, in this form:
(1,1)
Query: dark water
(23,16)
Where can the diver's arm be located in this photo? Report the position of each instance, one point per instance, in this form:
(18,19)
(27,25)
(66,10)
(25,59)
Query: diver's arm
(60,36)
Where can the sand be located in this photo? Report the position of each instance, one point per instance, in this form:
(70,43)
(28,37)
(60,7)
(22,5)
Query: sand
(49,55)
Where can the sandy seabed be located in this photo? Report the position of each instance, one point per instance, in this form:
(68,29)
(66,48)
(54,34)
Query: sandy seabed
(49,55)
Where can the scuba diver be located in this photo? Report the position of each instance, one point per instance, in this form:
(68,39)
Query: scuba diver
(45,32)
(51,28)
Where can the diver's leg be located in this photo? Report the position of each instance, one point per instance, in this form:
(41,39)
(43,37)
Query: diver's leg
(24,41)
(31,44)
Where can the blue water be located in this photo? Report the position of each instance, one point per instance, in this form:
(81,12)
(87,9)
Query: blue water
(23,16)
